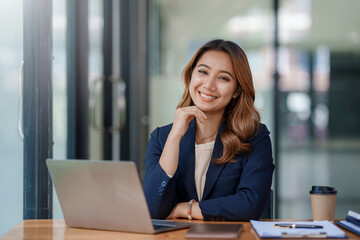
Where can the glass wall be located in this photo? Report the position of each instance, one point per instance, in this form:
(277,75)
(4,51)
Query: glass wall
(319,138)
(11,145)
(59,90)
(95,78)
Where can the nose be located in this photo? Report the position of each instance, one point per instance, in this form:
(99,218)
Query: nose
(210,83)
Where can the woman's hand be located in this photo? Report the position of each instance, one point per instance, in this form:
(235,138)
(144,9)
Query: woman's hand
(181,209)
(170,155)
(183,116)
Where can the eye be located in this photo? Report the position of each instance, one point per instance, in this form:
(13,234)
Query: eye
(224,78)
(202,71)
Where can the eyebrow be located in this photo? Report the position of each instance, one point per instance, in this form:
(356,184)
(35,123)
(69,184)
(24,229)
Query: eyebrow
(223,71)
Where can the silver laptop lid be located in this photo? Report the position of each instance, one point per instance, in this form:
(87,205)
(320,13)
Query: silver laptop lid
(101,195)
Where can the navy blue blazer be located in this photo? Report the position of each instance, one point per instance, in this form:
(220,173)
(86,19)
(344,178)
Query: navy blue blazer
(233,191)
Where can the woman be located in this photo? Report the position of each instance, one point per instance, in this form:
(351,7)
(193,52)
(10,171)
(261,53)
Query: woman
(214,162)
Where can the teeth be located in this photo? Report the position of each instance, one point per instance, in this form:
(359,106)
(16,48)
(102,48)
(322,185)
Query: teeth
(206,96)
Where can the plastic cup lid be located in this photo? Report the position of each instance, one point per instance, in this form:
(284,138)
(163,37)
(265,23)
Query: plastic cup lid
(322,190)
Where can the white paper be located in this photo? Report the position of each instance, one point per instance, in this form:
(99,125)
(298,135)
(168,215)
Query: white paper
(268,230)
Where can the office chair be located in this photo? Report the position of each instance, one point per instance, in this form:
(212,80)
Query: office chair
(268,212)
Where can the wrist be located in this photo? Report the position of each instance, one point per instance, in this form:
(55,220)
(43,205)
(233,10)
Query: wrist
(196,211)
(189,209)
(173,136)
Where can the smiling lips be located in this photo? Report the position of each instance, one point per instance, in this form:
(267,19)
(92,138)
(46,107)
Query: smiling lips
(207,97)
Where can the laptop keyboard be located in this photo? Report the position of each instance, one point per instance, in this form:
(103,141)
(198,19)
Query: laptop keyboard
(161,224)
(158,227)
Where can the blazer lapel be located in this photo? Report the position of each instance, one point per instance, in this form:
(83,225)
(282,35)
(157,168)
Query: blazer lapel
(214,170)
(187,160)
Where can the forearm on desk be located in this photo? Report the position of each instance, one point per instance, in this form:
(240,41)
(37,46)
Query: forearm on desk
(181,210)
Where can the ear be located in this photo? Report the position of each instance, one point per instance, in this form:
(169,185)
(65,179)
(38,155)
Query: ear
(237,92)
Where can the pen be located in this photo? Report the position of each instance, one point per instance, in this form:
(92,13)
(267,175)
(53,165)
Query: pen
(293,225)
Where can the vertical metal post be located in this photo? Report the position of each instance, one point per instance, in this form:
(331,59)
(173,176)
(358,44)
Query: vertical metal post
(312,95)
(77,44)
(142,116)
(134,84)
(138,80)
(37,108)
(276,103)
(134,70)
(119,106)
(125,75)
(107,86)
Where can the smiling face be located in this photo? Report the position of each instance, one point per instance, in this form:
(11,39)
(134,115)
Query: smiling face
(213,82)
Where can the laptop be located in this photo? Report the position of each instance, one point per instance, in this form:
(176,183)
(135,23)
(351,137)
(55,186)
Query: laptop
(104,195)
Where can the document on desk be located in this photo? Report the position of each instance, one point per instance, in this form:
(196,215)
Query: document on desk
(316,229)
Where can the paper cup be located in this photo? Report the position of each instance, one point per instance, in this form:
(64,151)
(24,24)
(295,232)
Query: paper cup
(323,201)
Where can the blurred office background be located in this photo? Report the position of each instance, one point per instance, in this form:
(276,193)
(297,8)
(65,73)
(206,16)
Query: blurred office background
(116,75)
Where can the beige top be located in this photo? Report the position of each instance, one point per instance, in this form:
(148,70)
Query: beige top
(203,154)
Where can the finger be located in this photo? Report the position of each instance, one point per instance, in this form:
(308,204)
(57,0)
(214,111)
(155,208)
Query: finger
(200,115)
(190,112)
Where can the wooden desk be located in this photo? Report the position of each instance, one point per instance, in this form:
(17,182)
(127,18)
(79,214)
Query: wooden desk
(57,229)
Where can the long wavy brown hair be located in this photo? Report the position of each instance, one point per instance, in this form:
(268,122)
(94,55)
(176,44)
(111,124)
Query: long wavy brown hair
(241,119)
